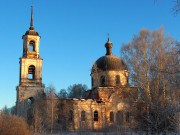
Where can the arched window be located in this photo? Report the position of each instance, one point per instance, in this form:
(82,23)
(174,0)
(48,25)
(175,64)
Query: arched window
(117,80)
(30,100)
(102,79)
(119,118)
(111,116)
(127,117)
(31,72)
(95,115)
(83,116)
(70,116)
(31,46)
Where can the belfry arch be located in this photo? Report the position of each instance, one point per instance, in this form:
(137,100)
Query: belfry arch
(31,72)
(31,46)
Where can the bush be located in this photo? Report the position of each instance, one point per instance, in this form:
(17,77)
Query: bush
(13,125)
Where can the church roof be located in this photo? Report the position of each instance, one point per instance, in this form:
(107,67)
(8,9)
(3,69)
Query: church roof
(109,61)
(32,32)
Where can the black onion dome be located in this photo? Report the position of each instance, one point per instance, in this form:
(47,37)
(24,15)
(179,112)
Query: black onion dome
(109,63)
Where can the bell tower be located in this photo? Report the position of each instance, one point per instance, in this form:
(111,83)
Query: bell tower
(30,79)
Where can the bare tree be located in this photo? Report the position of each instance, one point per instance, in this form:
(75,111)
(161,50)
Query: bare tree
(51,108)
(42,113)
(149,59)
(37,114)
(175,119)
(176,6)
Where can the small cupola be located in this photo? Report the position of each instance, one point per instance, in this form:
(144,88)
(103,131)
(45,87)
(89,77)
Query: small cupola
(108,46)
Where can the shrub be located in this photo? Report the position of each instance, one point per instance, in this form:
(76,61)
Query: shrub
(13,125)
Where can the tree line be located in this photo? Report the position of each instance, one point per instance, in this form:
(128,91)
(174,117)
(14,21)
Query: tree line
(73,91)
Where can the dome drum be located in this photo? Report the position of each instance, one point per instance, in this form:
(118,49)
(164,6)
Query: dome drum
(109,70)
(110,79)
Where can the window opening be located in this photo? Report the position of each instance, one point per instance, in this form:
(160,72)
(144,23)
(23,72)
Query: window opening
(119,117)
(127,117)
(117,80)
(31,72)
(30,100)
(31,46)
(103,80)
(70,116)
(83,113)
(111,117)
(95,115)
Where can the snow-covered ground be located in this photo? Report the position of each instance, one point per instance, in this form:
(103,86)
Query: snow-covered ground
(101,133)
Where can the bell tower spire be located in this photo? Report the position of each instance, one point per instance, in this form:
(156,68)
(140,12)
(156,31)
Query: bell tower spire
(32,19)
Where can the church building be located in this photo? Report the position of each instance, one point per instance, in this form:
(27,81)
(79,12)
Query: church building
(108,103)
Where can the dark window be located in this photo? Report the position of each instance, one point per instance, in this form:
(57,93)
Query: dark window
(30,100)
(95,115)
(83,115)
(102,80)
(70,116)
(119,118)
(31,72)
(127,117)
(59,119)
(31,46)
(111,117)
(117,80)
(92,80)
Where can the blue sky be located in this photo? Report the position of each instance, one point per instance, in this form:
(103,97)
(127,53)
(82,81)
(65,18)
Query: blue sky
(73,34)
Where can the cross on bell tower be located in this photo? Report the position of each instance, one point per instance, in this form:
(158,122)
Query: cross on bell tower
(30,80)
